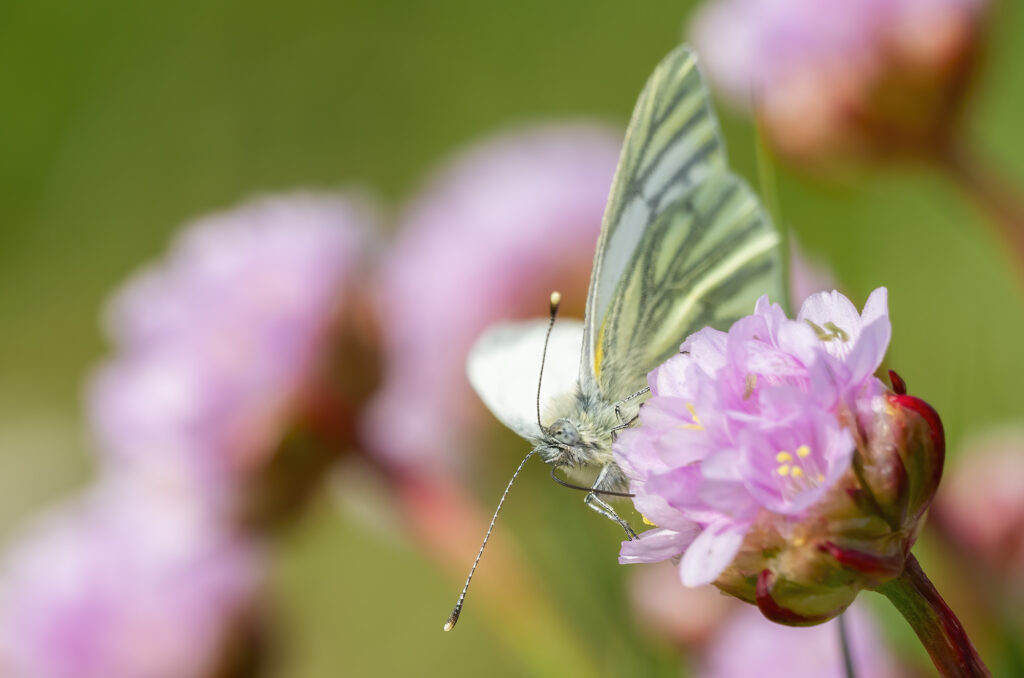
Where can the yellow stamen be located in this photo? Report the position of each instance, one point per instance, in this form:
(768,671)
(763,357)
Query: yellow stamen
(647,521)
(797,471)
(837,331)
(696,425)
(749,386)
(783,457)
(783,470)
(803,451)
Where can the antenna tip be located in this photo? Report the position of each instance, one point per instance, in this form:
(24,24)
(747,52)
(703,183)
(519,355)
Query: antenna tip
(452,619)
(556,300)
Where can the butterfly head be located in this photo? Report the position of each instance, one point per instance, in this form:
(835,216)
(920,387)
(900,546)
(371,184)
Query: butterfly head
(563,432)
(560,439)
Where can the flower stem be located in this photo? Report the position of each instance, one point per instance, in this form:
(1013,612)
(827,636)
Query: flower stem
(1001,204)
(844,643)
(934,623)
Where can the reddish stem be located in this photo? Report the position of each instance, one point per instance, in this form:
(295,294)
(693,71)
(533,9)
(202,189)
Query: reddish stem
(913,594)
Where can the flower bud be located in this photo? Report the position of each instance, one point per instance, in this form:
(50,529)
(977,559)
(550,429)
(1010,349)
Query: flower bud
(831,79)
(805,571)
(242,356)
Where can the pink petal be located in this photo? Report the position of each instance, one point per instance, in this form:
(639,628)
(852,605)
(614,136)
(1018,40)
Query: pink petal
(707,349)
(868,352)
(877,306)
(658,511)
(712,552)
(656,545)
(826,307)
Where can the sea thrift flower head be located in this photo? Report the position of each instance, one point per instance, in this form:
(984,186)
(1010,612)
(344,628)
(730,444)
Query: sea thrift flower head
(489,238)
(233,337)
(981,504)
(776,464)
(748,645)
(125,582)
(830,78)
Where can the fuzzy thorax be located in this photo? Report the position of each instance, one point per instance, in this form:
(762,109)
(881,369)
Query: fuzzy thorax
(580,436)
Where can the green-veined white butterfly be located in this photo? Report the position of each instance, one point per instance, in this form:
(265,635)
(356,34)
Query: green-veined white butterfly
(684,244)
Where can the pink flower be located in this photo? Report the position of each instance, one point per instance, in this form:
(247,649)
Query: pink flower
(490,237)
(748,645)
(881,76)
(129,581)
(981,503)
(217,344)
(749,421)
(743,460)
(684,616)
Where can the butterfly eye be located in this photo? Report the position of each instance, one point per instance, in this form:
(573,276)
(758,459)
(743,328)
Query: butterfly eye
(564,432)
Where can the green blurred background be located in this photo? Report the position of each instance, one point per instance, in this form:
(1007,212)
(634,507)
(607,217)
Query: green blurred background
(121,120)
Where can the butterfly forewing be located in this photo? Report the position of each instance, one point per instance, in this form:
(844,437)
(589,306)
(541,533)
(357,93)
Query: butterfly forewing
(703,261)
(672,144)
(504,365)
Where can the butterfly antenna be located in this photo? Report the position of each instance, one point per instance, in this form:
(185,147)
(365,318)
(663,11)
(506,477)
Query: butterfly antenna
(457,610)
(556,300)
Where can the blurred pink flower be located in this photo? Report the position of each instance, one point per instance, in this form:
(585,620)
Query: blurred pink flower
(216,343)
(129,581)
(490,237)
(981,502)
(750,645)
(807,274)
(827,74)
(682,615)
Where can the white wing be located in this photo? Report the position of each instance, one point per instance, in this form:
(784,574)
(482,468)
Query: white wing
(504,366)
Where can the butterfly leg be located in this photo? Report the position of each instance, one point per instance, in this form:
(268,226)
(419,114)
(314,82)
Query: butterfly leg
(595,503)
(614,431)
(623,424)
(618,407)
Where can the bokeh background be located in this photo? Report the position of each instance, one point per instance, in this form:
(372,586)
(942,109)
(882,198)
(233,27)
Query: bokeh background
(123,120)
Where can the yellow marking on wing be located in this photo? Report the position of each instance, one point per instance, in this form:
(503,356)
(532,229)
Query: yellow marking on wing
(599,351)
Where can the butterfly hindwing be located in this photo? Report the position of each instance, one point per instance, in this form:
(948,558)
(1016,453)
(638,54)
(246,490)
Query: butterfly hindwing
(703,261)
(672,144)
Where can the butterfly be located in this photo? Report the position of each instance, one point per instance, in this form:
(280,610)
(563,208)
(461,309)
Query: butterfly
(684,244)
